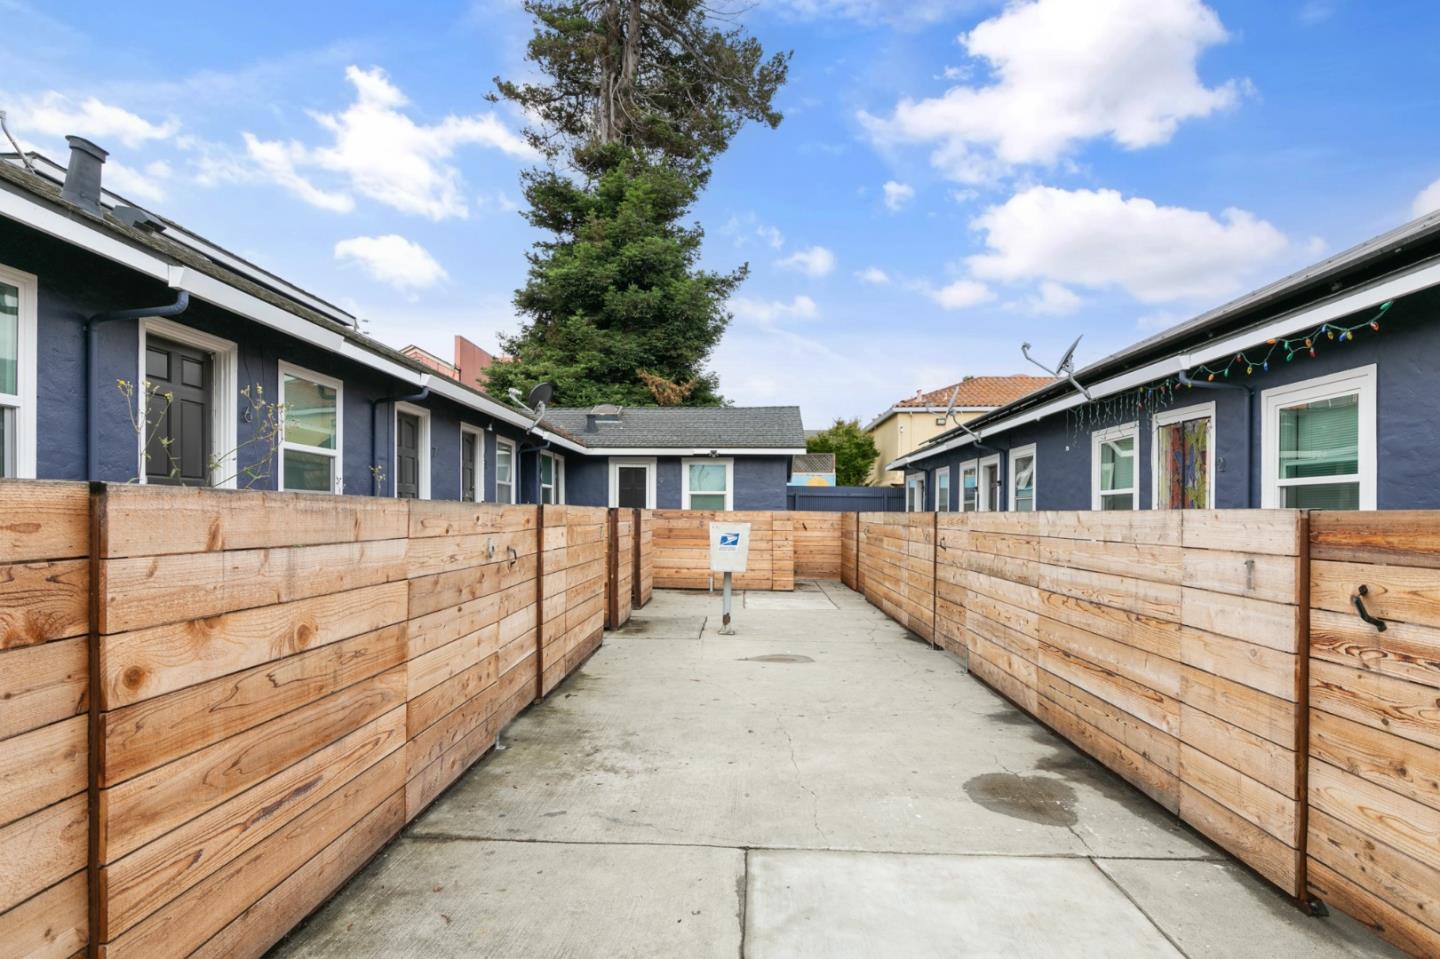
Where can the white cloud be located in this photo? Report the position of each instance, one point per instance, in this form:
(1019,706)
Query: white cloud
(1316,11)
(1427,201)
(392,259)
(874,275)
(812,261)
(771,235)
(766,312)
(383,154)
(1098,239)
(898,195)
(145,184)
(53,114)
(962,294)
(1066,72)
(277,161)
(1053,300)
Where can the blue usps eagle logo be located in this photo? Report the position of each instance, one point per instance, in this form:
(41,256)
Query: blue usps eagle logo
(730,539)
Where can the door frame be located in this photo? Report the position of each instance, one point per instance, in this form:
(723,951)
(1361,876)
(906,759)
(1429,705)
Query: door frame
(1170,417)
(479,435)
(982,502)
(651,468)
(423,453)
(224,392)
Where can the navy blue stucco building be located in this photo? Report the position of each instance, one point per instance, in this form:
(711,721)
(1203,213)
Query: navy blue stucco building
(1318,391)
(99,298)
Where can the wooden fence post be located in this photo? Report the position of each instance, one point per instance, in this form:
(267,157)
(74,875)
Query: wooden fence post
(612,568)
(539,602)
(635,559)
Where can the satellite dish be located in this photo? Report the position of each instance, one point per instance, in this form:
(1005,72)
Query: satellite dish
(1067,362)
(540,395)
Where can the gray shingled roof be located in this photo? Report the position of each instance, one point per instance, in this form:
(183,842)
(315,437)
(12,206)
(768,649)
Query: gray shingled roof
(685,427)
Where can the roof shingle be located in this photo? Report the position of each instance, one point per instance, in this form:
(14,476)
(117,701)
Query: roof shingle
(685,427)
(980,391)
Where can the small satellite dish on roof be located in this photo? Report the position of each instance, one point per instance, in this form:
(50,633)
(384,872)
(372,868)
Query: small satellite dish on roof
(540,395)
(1065,369)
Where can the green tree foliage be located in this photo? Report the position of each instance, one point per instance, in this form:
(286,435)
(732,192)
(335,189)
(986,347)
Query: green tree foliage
(637,99)
(854,451)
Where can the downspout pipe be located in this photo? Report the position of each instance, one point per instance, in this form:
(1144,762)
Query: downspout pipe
(92,325)
(1185,380)
(419,397)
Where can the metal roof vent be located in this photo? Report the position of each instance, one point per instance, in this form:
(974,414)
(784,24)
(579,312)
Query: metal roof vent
(138,219)
(82,177)
(604,413)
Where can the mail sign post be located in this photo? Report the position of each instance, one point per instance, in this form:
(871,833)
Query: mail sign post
(729,554)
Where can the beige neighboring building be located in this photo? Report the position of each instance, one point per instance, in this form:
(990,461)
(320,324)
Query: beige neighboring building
(907,424)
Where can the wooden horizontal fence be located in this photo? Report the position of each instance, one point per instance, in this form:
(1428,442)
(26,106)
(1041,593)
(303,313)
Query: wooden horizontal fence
(681,545)
(215,706)
(1374,739)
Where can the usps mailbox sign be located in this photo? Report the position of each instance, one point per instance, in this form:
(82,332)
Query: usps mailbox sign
(729,547)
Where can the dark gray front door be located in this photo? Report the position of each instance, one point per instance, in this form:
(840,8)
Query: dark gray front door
(407,456)
(177,416)
(468,492)
(633,482)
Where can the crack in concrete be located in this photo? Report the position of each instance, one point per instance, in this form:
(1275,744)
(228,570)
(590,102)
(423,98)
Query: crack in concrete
(814,797)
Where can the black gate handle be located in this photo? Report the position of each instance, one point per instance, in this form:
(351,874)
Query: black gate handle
(1364,590)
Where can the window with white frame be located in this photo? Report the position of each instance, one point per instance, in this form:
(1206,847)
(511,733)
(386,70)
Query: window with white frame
(915,493)
(708,484)
(969,488)
(504,470)
(552,478)
(1181,457)
(311,444)
(17,374)
(1319,443)
(1114,482)
(1022,479)
(942,490)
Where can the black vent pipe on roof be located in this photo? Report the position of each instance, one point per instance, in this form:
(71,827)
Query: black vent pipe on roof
(82,176)
(92,423)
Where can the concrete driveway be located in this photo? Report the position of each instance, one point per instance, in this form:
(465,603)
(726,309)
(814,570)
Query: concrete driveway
(821,784)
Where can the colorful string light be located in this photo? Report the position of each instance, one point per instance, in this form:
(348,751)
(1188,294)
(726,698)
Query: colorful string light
(1157,396)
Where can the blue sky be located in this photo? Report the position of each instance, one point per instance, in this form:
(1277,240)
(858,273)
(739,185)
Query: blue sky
(950,180)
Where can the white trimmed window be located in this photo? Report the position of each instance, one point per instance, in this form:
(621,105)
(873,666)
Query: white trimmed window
(1318,443)
(915,493)
(1022,479)
(311,446)
(504,470)
(17,373)
(552,479)
(708,483)
(1182,454)
(942,490)
(969,487)
(1114,482)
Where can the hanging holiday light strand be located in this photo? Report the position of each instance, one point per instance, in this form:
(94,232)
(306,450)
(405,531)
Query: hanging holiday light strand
(1157,396)
(1292,347)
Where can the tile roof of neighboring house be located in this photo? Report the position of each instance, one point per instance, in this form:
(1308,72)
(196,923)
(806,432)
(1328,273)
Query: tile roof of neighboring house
(980,391)
(685,428)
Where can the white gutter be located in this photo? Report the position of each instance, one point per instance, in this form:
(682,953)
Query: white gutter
(678,451)
(1416,278)
(202,286)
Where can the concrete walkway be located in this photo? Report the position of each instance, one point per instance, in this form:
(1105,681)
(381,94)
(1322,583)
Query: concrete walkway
(821,784)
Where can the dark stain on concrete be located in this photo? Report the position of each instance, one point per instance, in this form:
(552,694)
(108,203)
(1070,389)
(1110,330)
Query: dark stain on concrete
(1010,717)
(1037,799)
(776,658)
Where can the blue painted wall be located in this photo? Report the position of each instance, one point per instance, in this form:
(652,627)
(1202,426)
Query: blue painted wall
(74,285)
(1406,355)
(759,482)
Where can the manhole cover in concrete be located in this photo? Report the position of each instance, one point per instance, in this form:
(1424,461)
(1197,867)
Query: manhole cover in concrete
(777,658)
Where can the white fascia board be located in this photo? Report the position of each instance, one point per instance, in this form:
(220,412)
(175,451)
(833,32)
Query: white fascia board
(700,453)
(454,391)
(1413,280)
(17,206)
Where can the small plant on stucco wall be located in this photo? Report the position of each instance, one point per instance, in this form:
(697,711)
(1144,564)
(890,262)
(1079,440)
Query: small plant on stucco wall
(147,404)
